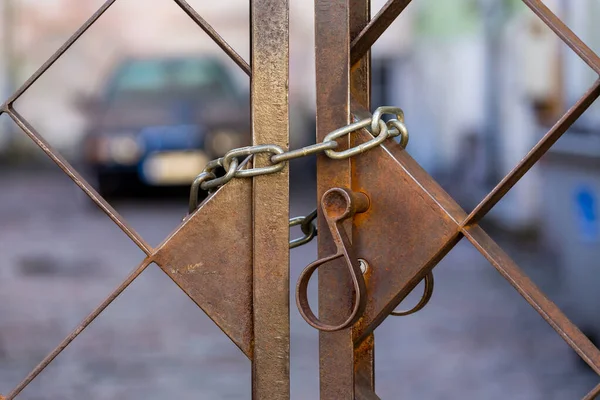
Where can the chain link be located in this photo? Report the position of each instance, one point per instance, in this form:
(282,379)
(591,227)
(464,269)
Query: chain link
(208,180)
(308,226)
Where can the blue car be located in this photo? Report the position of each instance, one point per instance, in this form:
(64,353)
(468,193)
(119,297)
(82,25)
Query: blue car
(159,121)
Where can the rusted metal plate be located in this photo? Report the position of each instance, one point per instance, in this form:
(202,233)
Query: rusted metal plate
(210,258)
(270,112)
(410,225)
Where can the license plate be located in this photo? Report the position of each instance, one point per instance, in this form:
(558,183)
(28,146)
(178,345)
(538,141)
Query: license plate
(173,168)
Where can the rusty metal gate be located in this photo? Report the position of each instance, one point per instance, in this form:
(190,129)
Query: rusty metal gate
(231,254)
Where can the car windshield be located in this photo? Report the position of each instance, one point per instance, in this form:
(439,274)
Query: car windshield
(159,76)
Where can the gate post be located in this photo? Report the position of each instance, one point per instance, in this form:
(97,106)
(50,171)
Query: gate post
(269,86)
(336,23)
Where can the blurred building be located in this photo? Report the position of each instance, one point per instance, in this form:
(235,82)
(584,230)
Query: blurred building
(129,28)
(453,87)
(433,62)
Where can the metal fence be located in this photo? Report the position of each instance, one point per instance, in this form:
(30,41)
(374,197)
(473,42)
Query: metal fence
(241,280)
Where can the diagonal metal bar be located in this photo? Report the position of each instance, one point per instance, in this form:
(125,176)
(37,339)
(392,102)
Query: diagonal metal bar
(378,25)
(214,35)
(84,324)
(534,296)
(565,33)
(59,53)
(534,155)
(593,394)
(78,179)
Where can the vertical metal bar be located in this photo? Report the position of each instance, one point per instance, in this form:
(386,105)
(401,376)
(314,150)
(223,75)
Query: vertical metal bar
(269,86)
(360,87)
(332,52)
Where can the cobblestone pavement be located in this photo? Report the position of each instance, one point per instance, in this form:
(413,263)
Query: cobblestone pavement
(476,340)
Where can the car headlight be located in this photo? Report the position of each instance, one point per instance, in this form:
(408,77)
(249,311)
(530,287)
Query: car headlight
(123,149)
(223,141)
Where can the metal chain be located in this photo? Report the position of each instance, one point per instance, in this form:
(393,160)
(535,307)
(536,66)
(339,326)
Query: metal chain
(308,226)
(207,180)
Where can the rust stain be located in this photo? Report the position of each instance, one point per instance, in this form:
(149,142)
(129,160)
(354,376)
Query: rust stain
(191,268)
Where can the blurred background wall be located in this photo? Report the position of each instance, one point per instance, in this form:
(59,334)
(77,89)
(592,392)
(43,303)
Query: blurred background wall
(479,80)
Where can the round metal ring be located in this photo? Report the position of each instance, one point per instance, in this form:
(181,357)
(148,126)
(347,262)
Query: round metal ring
(309,223)
(308,236)
(216,182)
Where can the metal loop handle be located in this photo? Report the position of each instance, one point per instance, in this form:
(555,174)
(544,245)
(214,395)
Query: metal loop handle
(338,205)
(302,295)
(427,293)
